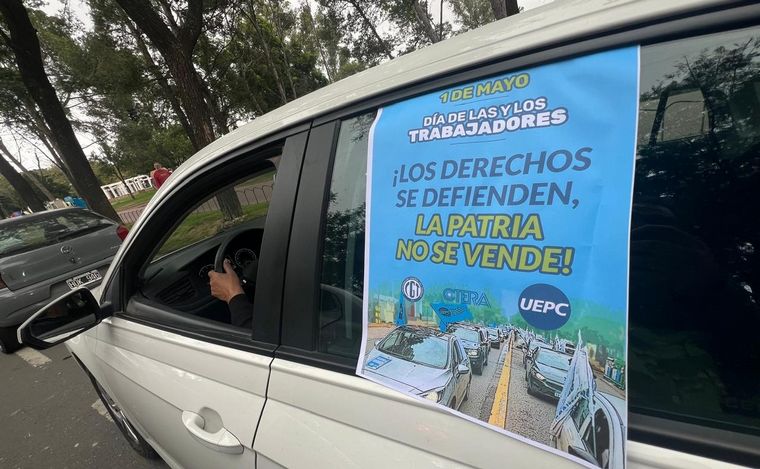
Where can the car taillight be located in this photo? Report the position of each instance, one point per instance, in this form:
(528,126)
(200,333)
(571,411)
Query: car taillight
(122,232)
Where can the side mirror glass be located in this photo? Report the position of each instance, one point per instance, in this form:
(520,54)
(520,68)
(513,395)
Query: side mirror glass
(463,369)
(64,318)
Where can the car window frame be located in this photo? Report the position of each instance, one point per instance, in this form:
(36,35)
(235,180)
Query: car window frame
(263,337)
(301,305)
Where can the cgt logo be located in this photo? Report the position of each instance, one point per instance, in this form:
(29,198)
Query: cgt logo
(466,297)
(544,306)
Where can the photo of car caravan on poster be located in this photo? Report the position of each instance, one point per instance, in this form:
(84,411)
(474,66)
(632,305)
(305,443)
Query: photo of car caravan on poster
(498,214)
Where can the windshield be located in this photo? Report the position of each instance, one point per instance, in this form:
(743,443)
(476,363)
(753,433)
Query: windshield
(466,334)
(414,347)
(554,360)
(25,234)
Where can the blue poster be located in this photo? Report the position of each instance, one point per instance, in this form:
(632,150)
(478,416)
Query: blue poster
(498,211)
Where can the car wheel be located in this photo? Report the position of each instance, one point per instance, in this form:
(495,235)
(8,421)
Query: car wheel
(477,369)
(8,341)
(136,441)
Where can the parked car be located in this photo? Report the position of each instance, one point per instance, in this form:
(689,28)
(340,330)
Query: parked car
(182,378)
(546,372)
(420,360)
(474,344)
(595,432)
(494,337)
(531,349)
(46,254)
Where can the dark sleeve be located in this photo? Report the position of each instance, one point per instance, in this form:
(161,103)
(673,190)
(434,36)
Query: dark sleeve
(241,311)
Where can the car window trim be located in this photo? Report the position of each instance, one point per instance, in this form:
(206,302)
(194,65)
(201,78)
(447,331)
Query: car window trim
(264,335)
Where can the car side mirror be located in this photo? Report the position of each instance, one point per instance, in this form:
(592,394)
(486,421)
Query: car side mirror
(463,369)
(59,321)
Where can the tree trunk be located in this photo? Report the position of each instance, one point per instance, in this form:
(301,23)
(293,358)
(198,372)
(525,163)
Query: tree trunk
(176,47)
(26,48)
(255,23)
(503,8)
(371,27)
(169,92)
(283,48)
(27,174)
(420,12)
(22,186)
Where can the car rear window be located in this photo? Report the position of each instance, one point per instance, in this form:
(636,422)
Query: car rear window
(33,232)
(466,334)
(417,348)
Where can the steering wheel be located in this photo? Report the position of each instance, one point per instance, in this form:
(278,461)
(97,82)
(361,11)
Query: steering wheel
(247,274)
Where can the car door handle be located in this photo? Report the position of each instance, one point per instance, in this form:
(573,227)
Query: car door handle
(221,440)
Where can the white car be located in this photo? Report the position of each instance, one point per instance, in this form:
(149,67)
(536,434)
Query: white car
(204,385)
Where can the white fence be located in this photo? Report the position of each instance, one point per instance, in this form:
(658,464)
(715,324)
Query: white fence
(135,184)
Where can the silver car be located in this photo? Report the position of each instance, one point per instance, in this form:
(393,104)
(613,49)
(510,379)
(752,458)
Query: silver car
(46,254)
(594,431)
(422,361)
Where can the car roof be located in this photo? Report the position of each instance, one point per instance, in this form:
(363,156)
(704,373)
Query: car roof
(36,215)
(539,28)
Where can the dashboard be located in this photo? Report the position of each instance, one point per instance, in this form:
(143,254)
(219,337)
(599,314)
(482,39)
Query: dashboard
(179,280)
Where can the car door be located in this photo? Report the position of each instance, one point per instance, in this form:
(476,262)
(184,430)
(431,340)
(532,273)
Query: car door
(191,382)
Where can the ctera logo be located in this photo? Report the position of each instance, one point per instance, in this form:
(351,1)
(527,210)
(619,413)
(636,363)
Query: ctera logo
(544,306)
(466,297)
(412,288)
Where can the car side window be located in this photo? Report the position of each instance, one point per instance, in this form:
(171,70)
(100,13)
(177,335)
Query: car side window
(342,279)
(695,236)
(176,277)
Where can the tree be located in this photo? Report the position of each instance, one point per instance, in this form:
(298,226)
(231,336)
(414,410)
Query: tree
(503,8)
(22,186)
(472,13)
(175,42)
(22,39)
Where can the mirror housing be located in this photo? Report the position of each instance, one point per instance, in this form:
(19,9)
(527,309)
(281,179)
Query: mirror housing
(463,369)
(62,319)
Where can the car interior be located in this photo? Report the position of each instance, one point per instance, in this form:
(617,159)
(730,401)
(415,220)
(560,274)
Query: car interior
(176,278)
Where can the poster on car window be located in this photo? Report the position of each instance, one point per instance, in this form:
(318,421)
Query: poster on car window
(496,264)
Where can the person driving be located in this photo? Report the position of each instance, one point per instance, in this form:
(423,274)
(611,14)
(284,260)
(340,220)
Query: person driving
(226,286)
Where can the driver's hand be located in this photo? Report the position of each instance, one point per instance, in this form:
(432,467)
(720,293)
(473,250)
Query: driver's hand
(225,286)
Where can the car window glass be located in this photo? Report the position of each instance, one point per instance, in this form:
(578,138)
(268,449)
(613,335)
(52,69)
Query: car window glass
(580,412)
(217,213)
(418,348)
(177,275)
(695,236)
(343,256)
(26,233)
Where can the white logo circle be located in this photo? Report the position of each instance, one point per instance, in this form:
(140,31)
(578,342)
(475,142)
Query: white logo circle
(412,288)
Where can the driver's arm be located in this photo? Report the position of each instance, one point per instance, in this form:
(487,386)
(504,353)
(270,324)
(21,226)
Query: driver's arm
(226,287)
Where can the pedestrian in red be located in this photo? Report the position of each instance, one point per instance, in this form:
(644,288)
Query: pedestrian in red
(159,175)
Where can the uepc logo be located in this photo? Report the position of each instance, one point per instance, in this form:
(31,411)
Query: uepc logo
(544,306)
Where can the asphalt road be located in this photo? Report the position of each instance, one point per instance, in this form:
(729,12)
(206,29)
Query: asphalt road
(529,416)
(52,418)
(483,387)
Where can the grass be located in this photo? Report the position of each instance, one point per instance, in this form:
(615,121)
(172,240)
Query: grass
(199,226)
(126,202)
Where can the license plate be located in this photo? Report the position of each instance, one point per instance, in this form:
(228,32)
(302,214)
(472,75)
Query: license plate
(84,279)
